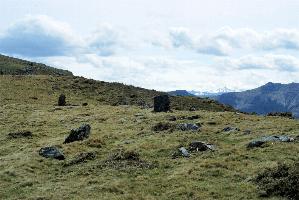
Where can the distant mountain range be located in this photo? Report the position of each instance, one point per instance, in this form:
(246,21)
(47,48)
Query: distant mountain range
(272,97)
(183,93)
(201,93)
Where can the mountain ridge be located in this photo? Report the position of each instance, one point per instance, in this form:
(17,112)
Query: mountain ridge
(271,97)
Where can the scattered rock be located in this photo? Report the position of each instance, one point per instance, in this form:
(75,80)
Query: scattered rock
(85,104)
(230,129)
(281,114)
(187,127)
(51,152)
(263,140)
(82,157)
(200,146)
(78,134)
(161,103)
(21,134)
(61,100)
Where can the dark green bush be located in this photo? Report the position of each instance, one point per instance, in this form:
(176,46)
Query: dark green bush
(282,180)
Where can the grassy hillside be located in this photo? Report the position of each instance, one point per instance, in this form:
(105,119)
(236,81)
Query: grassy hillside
(80,90)
(9,65)
(122,122)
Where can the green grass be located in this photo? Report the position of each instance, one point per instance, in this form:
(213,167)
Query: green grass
(28,103)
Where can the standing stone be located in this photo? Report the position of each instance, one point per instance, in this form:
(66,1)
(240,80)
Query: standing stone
(61,100)
(161,103)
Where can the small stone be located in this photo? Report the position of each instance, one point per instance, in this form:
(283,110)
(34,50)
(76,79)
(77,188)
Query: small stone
(84,104)
(184,152)
(78,134)
(51,152)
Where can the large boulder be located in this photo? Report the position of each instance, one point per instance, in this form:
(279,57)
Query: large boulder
(78,134)
(161,103)
(51,152)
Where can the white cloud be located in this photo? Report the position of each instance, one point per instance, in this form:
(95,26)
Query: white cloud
(42,36)
(105,40)
(39,36)
(285,63)
(227,40)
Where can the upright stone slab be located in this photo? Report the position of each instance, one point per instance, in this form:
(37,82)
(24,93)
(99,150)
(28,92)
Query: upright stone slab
(161,103)
(61,100)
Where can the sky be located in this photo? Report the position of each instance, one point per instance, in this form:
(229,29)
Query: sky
(159,44)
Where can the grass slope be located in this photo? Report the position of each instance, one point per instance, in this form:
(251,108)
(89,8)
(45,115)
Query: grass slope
(9,65)
(28,103)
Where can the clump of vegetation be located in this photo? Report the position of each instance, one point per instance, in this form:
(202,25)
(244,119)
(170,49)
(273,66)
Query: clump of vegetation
(163,126)
(122,159)
(282,180)
(20,134)
(81,158)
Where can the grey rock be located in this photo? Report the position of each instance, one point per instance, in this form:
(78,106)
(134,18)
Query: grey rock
(78,134)
(259,142)
(184,152)
(51,152)
(247,132)
(187,127)
(161,103)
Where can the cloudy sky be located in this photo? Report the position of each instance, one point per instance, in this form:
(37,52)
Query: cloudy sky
(159,44)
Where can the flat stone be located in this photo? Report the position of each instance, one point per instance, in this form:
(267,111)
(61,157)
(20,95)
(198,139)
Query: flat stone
(51,152)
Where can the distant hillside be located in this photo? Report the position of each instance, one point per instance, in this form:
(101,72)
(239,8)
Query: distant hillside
(272,97)
(14,66)
(181,93)
(48,88)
